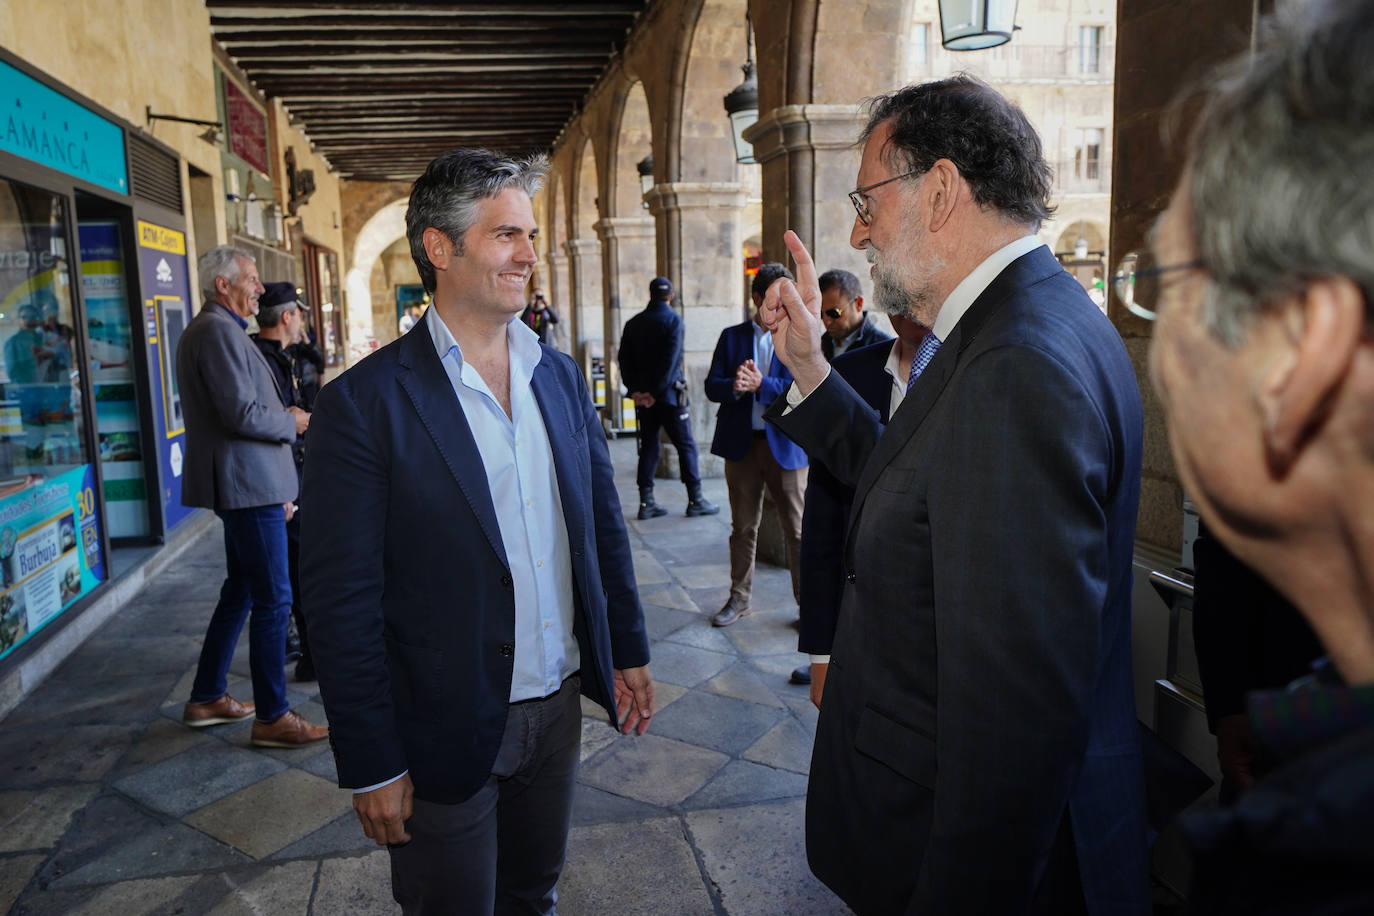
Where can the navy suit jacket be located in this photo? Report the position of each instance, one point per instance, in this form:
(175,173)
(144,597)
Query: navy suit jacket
(979,702)
(407,592)
(735,417)
(827,508)
(651,352)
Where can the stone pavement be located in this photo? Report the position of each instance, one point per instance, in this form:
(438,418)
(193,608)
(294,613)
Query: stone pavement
(110,805)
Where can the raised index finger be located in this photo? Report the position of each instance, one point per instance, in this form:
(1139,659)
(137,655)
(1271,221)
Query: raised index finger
(806,268)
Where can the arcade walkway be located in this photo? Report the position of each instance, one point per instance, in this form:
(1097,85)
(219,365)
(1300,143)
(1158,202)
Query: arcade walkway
(109,805)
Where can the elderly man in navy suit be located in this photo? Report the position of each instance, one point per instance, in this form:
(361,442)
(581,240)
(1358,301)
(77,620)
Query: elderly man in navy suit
(466,568)
(744,378)
(976,750)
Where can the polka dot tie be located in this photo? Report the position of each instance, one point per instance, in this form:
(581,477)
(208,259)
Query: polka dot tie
(924,354)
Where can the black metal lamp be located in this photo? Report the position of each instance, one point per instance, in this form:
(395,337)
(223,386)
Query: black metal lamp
(972,25)
(645,167)
(742,103)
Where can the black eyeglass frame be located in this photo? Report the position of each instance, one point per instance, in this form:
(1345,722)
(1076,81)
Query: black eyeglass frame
(856,196)
(1123,280)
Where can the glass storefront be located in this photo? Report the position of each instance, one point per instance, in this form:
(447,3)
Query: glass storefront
(50,539)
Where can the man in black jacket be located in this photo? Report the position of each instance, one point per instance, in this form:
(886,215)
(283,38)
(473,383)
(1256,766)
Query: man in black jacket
(842,312)
(651,369)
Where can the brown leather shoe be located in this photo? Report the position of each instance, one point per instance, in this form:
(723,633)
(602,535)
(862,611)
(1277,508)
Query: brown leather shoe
(732,610)
(225,709)
(291,730)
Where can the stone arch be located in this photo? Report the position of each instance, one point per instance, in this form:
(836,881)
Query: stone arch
(377,234)
(1090,231)
(716,50)
(584,253)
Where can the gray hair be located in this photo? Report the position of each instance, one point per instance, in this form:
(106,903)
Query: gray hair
(446,196)
(1281,182)
(220,261)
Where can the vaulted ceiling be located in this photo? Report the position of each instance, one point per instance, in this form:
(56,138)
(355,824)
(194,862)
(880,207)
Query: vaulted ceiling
(383,88)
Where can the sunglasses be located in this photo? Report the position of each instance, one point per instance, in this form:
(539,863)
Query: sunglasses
(831,313)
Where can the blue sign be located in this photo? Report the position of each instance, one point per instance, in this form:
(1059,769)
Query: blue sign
(46,127)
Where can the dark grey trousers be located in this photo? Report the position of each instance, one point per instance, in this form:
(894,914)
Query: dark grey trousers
(499,852)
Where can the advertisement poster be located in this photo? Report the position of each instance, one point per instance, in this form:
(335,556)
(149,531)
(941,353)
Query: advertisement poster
(167,309)
(49,553)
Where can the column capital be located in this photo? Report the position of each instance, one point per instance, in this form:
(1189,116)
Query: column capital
(557,259)
(624,227)
(669,196)
(796,127)
(583,247)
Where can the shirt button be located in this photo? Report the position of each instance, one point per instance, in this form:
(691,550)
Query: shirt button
(527,502)
(505,580)
(547,624)
(507,650)
(852,576)
(540,563)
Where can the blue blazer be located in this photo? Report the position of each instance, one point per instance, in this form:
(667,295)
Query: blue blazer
(735,418)
(407,592)
(979,703)
(827,508)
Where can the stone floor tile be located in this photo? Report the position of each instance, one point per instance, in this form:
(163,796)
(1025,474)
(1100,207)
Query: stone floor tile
(694,573)
(38,819)
(344,834)
(356,885)
(756,857)
(322,764)
(764,634)
(179,894)
(596,734)
(803,708)
(660,621)
(648,570)
(717,722)
(14,877)
(198,777)
(777,669)
(594,806)
(670,595)
(685,665)
(270,814)
(742,682)
(162,739)
(164,849)
(653,769)
(67,699)
(281,889)
(787,746)
(702,635)
(136,655)
(632,868)
(742,782)
(41,754)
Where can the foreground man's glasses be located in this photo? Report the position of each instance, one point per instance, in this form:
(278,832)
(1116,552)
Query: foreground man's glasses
(1136,282)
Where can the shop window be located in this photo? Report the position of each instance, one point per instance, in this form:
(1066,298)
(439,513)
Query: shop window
(50,542)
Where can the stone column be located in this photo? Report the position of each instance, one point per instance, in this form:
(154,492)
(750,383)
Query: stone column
(584,310)
(627,266)
(809,166)
(700,249)
(559,292)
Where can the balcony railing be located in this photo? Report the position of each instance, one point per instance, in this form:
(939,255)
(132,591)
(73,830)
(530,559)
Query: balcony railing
(1089,177)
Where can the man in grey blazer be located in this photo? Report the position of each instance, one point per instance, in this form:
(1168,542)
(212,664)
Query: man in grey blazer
(238,463)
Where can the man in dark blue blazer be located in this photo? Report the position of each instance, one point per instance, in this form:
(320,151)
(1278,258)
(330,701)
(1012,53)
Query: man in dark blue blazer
(465,565)
(976,750)
(842,312)
(744,379)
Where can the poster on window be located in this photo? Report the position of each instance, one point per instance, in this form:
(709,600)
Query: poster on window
(49,552)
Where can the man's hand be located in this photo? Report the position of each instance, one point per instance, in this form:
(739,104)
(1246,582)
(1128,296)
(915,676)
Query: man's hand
(748,377)
(642,398)
(1236,750)
(384,812)
(792,312)
(818,671)
(634,699)
(290,510)
(302,419)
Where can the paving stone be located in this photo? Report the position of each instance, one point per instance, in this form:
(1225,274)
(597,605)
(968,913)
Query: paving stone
(702,635)
(632,868)
(685,665)
(160,850)
(756,858)
(38,819)
(38,755)
(763,634)
(670,595)
(14,877)
(648,570)
(198,777)
(596,734)
(595,806)
(802,707)
(660,621)
(141,655)
(180,894)
(343,834)
(270,814)
(280,889)
(357,885)
(777,669)
(693,572)
(162,739)
(742,782)
(67,699)
(323,765)
(653,769)
(742,682)
(720,723)
(787,745)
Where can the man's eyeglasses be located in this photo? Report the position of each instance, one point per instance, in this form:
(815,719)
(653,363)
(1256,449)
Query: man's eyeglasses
(856,196)
(832,314)
(1137,284)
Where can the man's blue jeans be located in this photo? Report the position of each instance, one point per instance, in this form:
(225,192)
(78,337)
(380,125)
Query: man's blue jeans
(257,589)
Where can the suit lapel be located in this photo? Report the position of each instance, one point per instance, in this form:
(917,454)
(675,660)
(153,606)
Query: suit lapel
(430,391)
